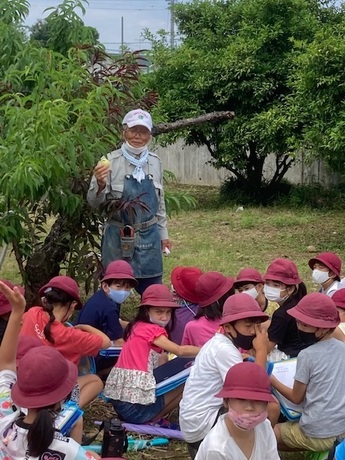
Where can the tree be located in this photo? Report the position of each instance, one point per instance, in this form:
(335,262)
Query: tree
(320,93)
(237,55)
(58,115)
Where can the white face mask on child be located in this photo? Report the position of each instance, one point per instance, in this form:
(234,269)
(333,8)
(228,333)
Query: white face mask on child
(252,292)
(320,276)
(159,323)
(273,294)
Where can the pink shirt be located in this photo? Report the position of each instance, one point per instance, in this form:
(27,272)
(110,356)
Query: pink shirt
(198,331)
(71,343)
(137,348)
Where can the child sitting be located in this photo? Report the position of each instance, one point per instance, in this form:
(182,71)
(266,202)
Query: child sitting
(326,272)
(183,281)
(212,290)
(45,379)
(244,431)
(319,379)
(60,298)
(284,286)
(250,281)
(102,310)
(131,384)
(199,408)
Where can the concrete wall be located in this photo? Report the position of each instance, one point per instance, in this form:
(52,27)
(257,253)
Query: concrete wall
(191,165)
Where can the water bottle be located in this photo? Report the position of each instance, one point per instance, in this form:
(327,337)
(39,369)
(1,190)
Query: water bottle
(115,441)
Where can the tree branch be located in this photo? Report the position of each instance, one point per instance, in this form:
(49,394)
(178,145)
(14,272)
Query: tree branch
(212,117)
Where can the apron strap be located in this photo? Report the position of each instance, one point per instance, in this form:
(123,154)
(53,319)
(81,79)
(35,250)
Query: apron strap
(136,227)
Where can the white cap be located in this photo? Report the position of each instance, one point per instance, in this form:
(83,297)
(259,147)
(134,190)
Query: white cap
(138,117)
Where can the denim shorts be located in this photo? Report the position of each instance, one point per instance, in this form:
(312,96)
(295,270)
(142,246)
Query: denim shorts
(138,413)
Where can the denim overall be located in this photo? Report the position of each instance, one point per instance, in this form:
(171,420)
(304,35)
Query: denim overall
(146,259)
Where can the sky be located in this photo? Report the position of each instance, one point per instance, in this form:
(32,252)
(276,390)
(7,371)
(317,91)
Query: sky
(105,16)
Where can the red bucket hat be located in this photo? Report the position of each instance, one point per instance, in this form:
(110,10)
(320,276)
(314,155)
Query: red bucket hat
(120,270)
(249,275)
(339,298)
(184,281)
(331,260)
(66,284)
(241,306)
(247,381)
(44,377)
(26,342)
(316,310)
(283,270)
(5,306)
(158,295)
(211,286)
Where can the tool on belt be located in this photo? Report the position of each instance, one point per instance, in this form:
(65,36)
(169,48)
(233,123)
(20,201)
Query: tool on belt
(127,236)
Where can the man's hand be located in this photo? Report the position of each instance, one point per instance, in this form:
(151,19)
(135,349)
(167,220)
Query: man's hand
(14,296)
(101,172)
(166,244)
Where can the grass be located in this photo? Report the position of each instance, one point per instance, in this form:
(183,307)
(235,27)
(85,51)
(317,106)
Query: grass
(226,239)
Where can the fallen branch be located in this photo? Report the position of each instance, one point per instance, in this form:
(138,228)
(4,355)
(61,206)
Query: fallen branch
(213,117)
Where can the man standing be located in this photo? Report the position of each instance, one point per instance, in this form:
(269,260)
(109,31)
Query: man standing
(131,182)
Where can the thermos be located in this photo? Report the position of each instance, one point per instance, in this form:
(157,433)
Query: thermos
(115,441)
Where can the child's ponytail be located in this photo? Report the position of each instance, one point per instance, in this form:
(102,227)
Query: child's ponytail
(54,296)
(41,432)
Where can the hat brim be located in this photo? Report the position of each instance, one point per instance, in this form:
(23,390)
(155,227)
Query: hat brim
(255,281)
(281,279)
(138,123)
(33,401)
(311,321)
(162,304)
(179,288)
(260,315)
(121,276)
(246,394)
(228,284)
(325,263)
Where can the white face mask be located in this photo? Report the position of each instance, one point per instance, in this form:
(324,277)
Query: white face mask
(134,150)
(159,323)
(319,276)
(273,294)
(252,292)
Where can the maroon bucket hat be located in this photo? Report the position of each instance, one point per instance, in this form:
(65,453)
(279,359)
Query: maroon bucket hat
(339,298)
(44,377)
(330,260)
(120,270)
(158,295)
(250,275)
(316,309)
(247,381)
(283,270)
(66,284)
(241,306)
(211,286)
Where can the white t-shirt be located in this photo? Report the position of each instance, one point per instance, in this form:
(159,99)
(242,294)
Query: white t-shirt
(333,288)
(220,445)
(13,438)
(199,406)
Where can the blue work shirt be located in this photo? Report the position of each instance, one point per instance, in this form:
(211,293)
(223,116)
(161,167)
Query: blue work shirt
(102,313)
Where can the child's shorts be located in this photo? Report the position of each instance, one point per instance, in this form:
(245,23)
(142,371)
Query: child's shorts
(293,436)
(138,413)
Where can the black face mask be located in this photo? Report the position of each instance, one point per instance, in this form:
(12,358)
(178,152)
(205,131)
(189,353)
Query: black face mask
(243,341)
(309,338)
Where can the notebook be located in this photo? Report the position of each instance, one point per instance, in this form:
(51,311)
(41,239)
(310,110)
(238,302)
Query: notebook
(111,352)
(285,372)
(172,374)
(67,417)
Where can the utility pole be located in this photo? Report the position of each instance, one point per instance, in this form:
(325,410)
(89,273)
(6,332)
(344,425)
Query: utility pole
(172,24)
(122,43)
